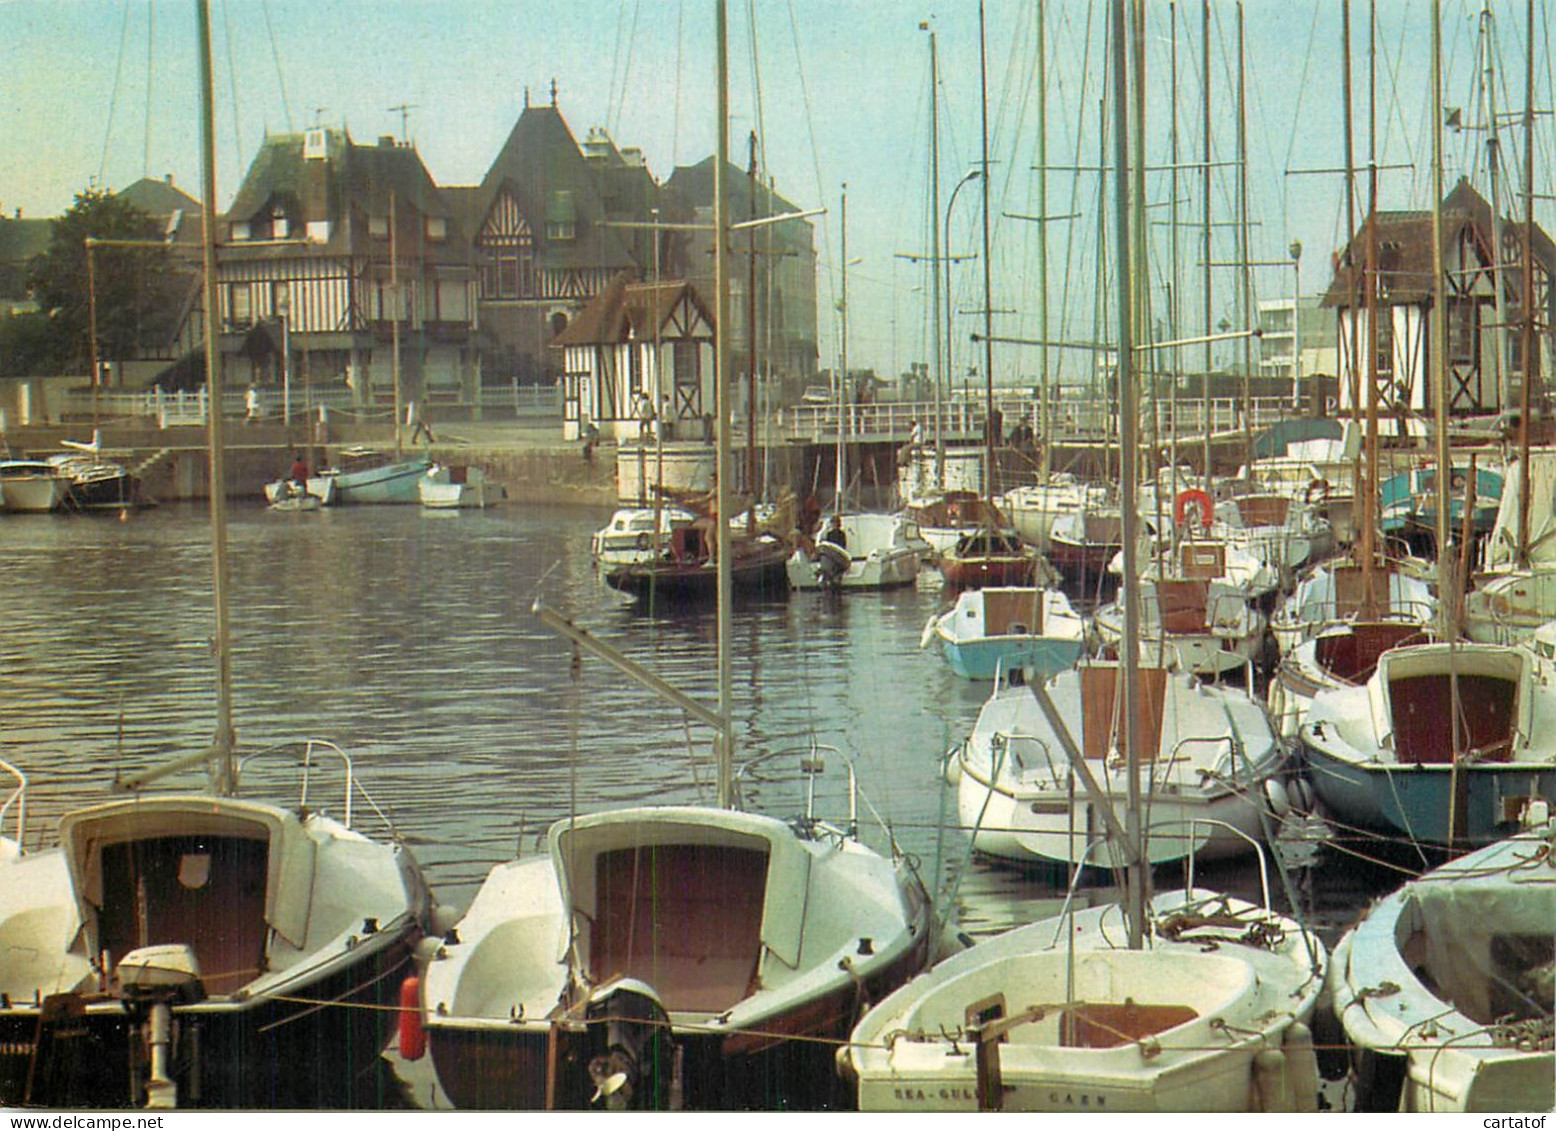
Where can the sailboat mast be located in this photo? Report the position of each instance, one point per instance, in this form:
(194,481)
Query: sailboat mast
(223,770)
(934,257)
(1494,172)
(1245,267)
(1447,603)
(1204,79)
(1045,396)
(394,314)
(1128,453)
(839,476)
(751,464)
(1369,483)
(725,754)
(1531,354)
(989,439)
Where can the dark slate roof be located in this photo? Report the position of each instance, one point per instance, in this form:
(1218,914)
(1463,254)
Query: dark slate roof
(693,185)
(542,166)
(351,183)
(1405,248)
(170,205)
(626,310)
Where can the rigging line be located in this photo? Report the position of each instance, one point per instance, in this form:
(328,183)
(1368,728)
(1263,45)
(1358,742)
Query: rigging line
(113,98)
(151,28)
(675,113)
(275,56)
(232,82)
(1071,272)
(626,67)
(756,88)
(815,149)
(611,101)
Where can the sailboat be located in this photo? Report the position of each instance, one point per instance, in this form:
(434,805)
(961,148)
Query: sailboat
(1444,988)
(201,949)
(859,550)
(673,956)
(1006,628)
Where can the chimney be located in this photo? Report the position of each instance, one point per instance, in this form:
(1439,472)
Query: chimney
(168,177)
(385,141)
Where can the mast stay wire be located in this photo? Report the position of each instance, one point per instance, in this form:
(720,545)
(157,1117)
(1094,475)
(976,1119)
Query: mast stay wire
(113,98)
(275,56)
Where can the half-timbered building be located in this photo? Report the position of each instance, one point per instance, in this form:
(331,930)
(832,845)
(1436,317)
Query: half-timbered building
(1485,355)
(551,224)
(638,343)
(322,237)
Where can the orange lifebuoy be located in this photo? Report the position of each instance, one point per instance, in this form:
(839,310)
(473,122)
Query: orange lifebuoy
(1200,499)
(413,1038)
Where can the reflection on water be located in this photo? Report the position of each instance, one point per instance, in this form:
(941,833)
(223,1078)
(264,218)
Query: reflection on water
(406,637)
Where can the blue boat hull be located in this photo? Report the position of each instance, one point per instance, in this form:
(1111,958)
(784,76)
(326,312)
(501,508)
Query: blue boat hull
(392,483)
(978,659)
(1412,801)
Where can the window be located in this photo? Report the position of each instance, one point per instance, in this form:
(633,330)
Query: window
(240,310)
(241,231)
(279,227)
(437,228)
(561,216)
(318,231)
(1463,332)
(687,370)
(378,227)
(508,272)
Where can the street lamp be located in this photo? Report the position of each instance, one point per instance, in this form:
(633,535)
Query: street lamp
(972,175)
(1296,324)
(284,310)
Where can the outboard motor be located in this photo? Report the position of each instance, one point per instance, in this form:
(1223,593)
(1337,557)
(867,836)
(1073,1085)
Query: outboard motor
(632,1051)
(152,980)
(832,562)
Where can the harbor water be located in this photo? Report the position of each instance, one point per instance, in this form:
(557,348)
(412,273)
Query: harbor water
(406,637)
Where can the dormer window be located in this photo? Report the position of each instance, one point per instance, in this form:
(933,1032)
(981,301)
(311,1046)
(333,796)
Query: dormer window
(378,227)
(279,228)
(318,231)
(561,216)
(437,228)
(241,230)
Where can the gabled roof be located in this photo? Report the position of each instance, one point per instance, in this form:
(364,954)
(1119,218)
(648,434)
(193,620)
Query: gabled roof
(159,197)
(1405,248)
(693,185)
(626,311)
(350,182)
(543,168)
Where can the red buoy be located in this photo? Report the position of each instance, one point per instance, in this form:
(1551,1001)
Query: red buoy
(413,1038)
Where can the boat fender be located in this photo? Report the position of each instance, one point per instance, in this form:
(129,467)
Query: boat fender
(413,1038)
(951,770)
(929,630)
(1279,800)
(1301,1067)
(1269,1081)
(442,920)
(1202,502)
(1301,795)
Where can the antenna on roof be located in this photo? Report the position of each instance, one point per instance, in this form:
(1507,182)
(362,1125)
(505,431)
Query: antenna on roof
(553,94)
(404,110)
(318,116)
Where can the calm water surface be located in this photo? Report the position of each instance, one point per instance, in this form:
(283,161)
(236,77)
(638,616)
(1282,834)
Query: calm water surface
(406,637)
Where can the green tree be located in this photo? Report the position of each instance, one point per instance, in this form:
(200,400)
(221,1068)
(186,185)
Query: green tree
(29,346)
(127,280)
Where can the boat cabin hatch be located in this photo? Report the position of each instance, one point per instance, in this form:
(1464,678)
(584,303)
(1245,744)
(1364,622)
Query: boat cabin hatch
(687,905)
(1182,605)
(688,544)
(1012,612)
(1101,725)
(218,879)
(1202,560)
(1351,652)
(1263,510)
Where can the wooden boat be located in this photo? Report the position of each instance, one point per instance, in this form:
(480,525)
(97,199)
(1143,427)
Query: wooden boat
(1211,1016)
(880,551)
(1003,628)
(1207,752)
(991,556)
(1396,756)
(687,572)
(1444,988)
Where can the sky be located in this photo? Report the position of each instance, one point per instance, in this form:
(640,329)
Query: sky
(103,92)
